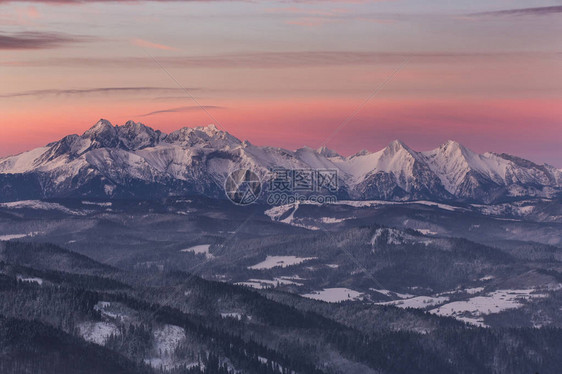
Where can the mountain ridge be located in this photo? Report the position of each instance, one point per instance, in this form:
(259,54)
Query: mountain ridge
(137,161)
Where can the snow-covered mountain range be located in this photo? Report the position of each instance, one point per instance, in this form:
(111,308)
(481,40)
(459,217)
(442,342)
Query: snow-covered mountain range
(135,160)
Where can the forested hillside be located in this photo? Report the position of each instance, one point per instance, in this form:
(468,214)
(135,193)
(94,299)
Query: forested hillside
(56,321)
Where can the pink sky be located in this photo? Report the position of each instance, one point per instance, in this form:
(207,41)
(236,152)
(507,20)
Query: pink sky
(479,73)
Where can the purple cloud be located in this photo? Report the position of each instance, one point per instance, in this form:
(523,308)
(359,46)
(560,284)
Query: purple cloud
(35,40)
(191,108)
(92,91)
(541,11)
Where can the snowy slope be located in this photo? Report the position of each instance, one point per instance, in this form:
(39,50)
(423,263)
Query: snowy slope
(464,173)
(397,159)
(135,160)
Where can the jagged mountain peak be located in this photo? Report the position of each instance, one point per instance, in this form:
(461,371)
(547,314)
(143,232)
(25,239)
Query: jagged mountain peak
(135,128)
(134,125)
(101,127)
(451,147)
(451,144)
(210,130)
(450,153)
(102,135)
(397,144)
(108,158)
(398,150)
(131,123)
(518,160)
(205,136)
(135,135)
(304,149)
(454,164)
(131,136)
(361,153)
(327,152)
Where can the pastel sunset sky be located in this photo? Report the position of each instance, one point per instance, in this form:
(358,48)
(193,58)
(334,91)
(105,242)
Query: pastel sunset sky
(487,73)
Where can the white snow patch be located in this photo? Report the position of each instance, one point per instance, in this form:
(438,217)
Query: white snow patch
(487,278)
(418,302)
(334,220)
(237,316)
(97,332)
(276,212)
(200,249)
(365,203)
(103,204)
(392,293)
(40,205)
(514,208)
(166,340)
(473,309)
(438,205)
(426,232)
(293,277)
(108,189)
(279,261)
(39,281)
(112,311)
(17,236)
(474,290)
(334,295)
(266,283)
(276,281)
(394,236)
(374,203)
(256,285)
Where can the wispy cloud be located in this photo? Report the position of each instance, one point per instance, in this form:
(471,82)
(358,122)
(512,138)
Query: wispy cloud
(91,1)
(309,17)
(27,15)
(36,40)
(540,11)
(311,21)
(138,1)
(192,108)
(312,17)
(286,59)
(307,11)
(147,44)
(74,2)
(92,91)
